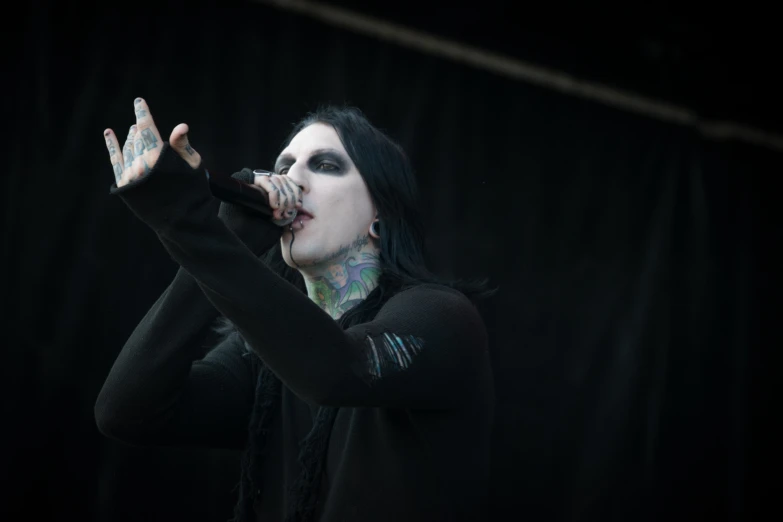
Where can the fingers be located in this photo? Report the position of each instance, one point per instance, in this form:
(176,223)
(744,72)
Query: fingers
(140,165)
(292,195)
(264,183)
(142,146)
(282,197)
(114,154)
(145,127)
(179,141)
(127,150)
(296,191)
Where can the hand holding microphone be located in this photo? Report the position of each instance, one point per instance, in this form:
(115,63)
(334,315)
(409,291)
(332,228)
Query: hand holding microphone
(273,195)
(262,191)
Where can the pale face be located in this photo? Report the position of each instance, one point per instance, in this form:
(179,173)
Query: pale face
(334,193)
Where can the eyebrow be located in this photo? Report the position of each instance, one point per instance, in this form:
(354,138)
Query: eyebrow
(284,159)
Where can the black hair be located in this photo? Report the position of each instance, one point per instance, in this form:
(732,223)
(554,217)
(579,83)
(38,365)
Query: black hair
(390,180)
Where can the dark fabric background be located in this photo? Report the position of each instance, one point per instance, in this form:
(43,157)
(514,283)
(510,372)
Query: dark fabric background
(635,262)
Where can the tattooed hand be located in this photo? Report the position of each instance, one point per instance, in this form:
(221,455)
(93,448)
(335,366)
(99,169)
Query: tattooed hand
(143,145)
(285,196)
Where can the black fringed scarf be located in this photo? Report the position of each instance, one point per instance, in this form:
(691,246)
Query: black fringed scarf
(303,494)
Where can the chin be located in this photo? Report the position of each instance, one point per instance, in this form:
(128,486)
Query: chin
(302,256)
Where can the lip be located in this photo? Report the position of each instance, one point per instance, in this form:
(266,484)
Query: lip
(302,217)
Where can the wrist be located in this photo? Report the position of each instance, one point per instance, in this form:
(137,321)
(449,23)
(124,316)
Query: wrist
(171,189)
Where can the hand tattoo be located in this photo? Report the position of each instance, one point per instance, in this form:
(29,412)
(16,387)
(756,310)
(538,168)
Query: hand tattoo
(127,156)
(150,141)
(189,149)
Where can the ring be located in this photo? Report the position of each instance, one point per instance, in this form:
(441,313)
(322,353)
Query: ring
(262,172)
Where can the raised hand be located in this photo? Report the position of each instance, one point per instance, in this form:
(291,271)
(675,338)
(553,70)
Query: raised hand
(143,145)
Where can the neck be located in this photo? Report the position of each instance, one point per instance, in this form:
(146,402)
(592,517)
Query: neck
(342,280)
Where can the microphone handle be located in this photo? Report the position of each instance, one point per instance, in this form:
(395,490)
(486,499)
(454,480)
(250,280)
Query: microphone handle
(237,189)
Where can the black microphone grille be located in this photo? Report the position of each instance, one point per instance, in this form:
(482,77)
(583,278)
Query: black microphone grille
(245,175)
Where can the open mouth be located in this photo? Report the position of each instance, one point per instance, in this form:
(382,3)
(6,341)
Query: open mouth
(301,219)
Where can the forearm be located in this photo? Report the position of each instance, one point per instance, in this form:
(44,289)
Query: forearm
(147,380)
(291,334)
(427,345)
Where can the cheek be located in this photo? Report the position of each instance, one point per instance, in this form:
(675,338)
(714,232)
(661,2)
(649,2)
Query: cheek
(349,205)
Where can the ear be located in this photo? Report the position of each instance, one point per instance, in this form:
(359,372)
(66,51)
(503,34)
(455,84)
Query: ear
(375,229)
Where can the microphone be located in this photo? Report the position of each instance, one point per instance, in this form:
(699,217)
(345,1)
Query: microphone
(237,189)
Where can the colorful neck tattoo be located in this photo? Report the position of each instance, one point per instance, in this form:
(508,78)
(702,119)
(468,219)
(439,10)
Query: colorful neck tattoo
(346,279)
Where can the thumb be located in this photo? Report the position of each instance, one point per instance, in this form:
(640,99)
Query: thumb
(179,142)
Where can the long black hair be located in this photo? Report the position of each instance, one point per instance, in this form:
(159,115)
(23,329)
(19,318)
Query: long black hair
(390,180)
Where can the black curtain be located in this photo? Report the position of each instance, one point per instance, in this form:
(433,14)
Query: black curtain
(634,258)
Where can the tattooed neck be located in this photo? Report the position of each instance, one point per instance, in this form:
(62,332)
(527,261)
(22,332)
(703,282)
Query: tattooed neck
(343,279)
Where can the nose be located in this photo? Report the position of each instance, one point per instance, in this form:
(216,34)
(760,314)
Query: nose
(299,176)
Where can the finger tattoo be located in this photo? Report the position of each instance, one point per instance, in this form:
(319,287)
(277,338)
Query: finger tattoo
(150,141)
(117,172)
(297,197)
(282,196)
(189,149)
(289,192)
(127,156)
(138,148)
(140,114)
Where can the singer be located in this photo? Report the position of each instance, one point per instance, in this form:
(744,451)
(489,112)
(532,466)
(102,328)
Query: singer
(356,382)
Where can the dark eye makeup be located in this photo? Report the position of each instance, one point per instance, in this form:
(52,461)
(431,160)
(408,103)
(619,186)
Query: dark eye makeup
(322,161)
(326,162)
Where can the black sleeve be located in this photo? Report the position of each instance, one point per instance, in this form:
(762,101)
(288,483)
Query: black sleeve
(162,390)
(423,350)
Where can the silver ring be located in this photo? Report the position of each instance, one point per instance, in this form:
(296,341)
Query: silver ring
(262,172)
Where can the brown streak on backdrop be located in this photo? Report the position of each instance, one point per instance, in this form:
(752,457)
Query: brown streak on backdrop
(632,257)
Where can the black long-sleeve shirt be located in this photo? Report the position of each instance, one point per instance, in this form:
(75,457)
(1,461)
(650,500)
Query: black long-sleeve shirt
(414,386)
